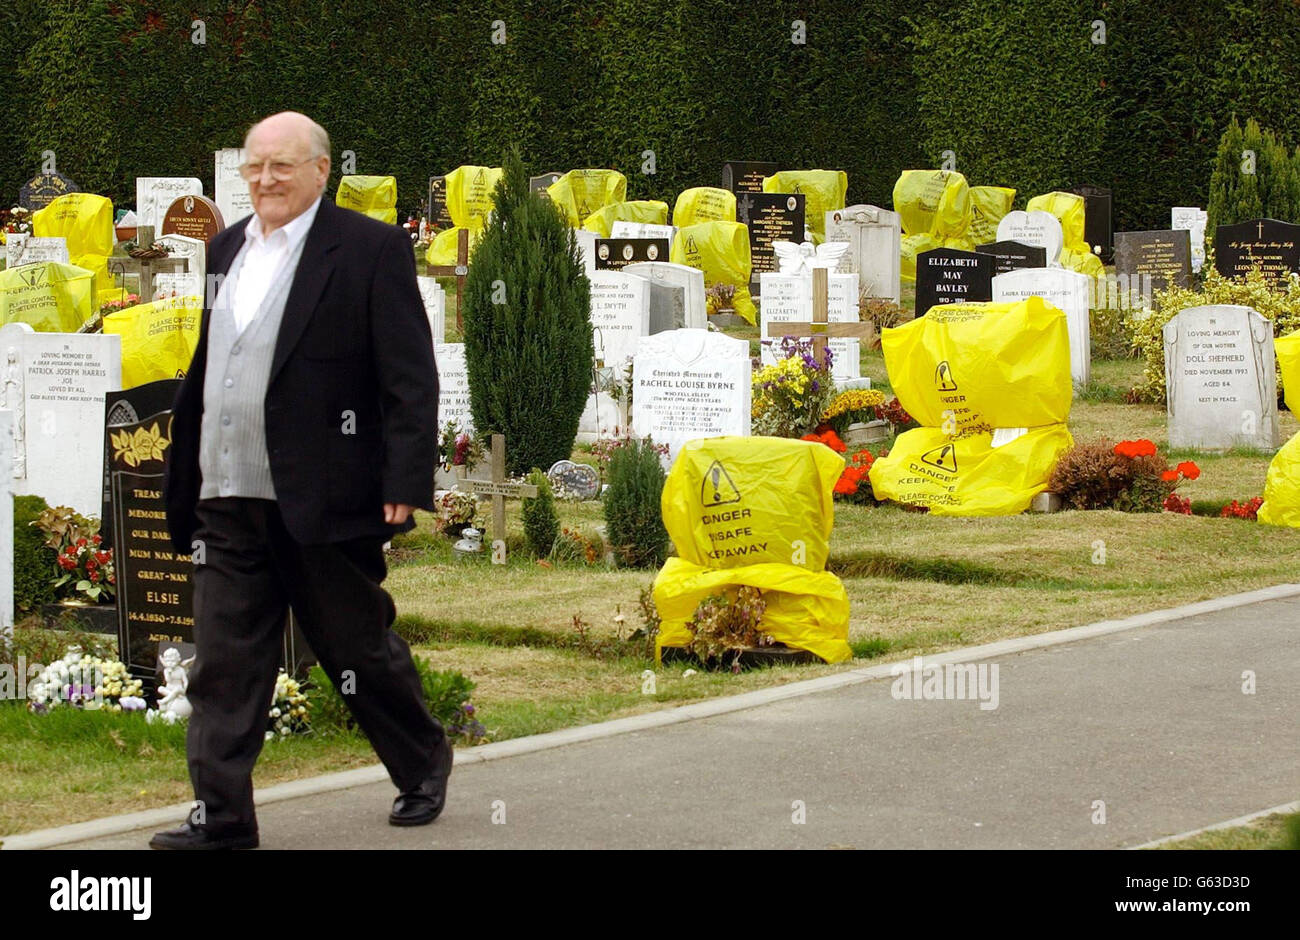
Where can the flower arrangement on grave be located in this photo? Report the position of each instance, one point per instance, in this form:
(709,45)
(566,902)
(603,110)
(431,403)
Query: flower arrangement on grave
(87,682)
(790,396)
(854,406)
(572,545)
(83,568)
(892,411)
(460,448)
(465,728)
(17,221)
(854,484)
(1248,510)
(1130,476)
(827,436)
(723,624)
(720,298)
(290,710)
(113,306)
(455,511)
(604,448)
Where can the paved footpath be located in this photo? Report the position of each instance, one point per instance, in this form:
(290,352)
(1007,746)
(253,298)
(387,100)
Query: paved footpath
(1152,720)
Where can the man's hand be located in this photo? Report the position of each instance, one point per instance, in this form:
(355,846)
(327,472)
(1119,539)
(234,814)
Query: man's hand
(397,513)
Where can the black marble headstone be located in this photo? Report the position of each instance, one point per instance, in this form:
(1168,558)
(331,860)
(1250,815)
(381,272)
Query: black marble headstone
(614,254)
(39,191)
(1268,245)
(1098,220)
(539,184)
(1165,255)
(746,176)
(770,217)
(949,276)
(1009,255)
(437,212)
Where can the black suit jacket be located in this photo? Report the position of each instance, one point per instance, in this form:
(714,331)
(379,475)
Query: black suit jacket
(352,402)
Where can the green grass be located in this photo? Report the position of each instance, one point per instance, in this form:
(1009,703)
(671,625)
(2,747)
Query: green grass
(1277,831)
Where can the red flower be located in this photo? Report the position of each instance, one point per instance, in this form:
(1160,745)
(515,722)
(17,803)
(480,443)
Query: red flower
(1138,448)
(90,564)
(94,576)
(103,558)
(81,543)
(96,539)
(1169,475)
(829,438)
(1176,503)
(1188,469)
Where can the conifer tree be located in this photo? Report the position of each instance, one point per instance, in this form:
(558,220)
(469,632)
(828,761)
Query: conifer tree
(528,346)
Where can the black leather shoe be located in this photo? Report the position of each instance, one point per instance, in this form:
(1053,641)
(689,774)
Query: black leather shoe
(421,806)
(189,837)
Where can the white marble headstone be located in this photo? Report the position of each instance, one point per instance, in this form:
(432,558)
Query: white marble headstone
(153,194)
(689,384)
(1068,291)
(6,524)
(231,192)
(875,238)
(453,385)
(435,306)
(691,280)
(1038,228)
(788,298)
(620,314)
(1194,221)
(28,249)
(624,229)
(193,250)
(1220,379)
(176,285)
(587,248)
(55,384)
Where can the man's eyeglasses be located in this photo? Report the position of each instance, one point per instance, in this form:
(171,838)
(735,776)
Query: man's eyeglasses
(279,171)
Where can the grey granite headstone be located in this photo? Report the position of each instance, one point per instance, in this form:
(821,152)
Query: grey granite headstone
(1220,379)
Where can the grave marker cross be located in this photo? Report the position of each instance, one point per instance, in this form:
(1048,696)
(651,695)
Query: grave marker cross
(499,489)
(457,270)
(819,330)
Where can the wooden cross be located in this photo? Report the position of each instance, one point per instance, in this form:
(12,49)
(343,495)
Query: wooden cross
(499,489)
(819,329)
(457,270)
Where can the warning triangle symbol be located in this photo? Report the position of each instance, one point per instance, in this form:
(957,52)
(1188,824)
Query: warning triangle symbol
(943,380)
(717,489)
(690,244)
(945,458)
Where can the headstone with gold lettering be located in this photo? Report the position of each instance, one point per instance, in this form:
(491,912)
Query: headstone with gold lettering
(39,191)
(194,217)
(1267,245)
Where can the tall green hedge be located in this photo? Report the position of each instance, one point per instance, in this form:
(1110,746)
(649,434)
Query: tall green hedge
(1016,88)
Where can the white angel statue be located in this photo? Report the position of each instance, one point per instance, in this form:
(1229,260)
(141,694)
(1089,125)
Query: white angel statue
(172,703)
(801,259)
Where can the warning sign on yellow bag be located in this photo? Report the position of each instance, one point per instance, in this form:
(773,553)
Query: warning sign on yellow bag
(86,222)
(968,476)
(704,204)
(644,211)
(48,296)
(1282,485)
(470,195)
(375,196)
(974,367)
(823,190)
(988,206)
(754,511)
(933,202)
(158,339)
(579,193)
(721,251)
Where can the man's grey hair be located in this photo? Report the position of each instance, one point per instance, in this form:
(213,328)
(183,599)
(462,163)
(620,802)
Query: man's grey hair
(316,135)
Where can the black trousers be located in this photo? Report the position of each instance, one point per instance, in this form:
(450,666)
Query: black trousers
(252,573)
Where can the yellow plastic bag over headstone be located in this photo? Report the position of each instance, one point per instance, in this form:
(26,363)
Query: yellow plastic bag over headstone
(158,339)
(968,476)
(979,366)
(909,247)
(470,194)
(754,511)
(48,296)
(1069,209)
(704,204)
(1083,262)
(86,222)
(933,202)
(721,251)
(644,211)
(445,247)
(988,206)
(375,196)
(579,193)
(1282,485)
(824,191)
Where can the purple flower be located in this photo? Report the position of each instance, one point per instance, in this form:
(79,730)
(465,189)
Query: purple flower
(816,387)
(469,709)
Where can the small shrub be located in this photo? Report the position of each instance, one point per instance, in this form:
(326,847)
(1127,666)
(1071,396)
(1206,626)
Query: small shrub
(541,524)
(633,518)
(1248,510)
(1129,477)
(722,624)
(571,545)
(445,692)
(1112,334)
(34,566)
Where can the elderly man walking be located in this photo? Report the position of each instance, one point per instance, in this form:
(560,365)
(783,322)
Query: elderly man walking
(303,436)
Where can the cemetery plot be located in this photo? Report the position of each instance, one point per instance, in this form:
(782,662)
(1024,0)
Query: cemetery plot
(770,217)
(949,276)
(1066,290)
(1265,245)
(788,309)
(1165,257)
(1011,256)
(875,237)
(620,315)
(746,176)
(614,254)
(1038,228)
(1098,221)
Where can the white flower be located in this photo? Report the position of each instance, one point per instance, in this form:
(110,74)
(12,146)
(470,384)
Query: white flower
(688,673)
(270,736)
(275,713)
(284,729)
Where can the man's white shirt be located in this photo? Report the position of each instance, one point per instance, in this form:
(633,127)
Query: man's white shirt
(263,258)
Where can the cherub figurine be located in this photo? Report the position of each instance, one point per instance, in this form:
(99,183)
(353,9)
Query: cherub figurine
(176,682)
